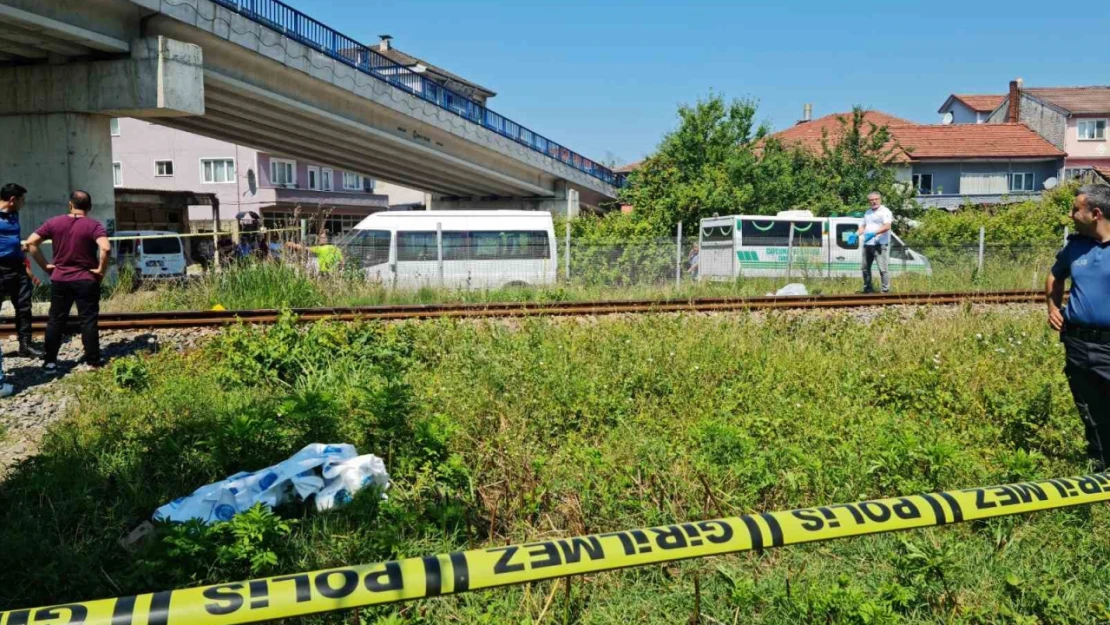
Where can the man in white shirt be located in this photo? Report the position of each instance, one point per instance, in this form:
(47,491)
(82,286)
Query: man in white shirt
(875,232)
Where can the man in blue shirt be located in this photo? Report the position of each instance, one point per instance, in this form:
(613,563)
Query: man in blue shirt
(1085,323)
(15,279)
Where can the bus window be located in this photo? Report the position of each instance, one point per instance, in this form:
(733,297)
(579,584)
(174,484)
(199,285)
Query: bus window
(526,245)
(371,247)
(843,231)
(755,233)
(766,233)
(416,246)
(808,234)
(485,245)
(716,234)
(456,246)
(520,245)
(126,248)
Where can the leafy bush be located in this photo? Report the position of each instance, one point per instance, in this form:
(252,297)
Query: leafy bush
(616,251)
(131,373)
(1038,222)
(245,546)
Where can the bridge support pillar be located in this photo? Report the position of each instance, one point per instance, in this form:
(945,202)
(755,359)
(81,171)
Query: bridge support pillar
(55,123)
(53,154)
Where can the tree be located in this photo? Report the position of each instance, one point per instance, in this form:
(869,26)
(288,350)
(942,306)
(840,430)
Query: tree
(693,172)
(858,161)
(719,161)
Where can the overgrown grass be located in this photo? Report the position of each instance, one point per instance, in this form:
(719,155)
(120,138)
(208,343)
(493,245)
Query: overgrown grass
(275,285)
(502,432)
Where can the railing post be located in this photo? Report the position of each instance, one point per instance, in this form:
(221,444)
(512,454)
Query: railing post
(697,276)
(678,258)
(831,237)
(215,238)
(790,252)
(566,260)
(982,242)
(439,251)
(735,267)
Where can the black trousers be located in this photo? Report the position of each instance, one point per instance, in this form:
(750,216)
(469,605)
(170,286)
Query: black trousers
(86,294)
(1087,367)
(16,286)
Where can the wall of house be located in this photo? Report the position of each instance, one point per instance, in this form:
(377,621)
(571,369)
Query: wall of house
(962,113)
(946,176)
(1086,149)
(998,116)
(141,143)
(1044,120)
(301,174)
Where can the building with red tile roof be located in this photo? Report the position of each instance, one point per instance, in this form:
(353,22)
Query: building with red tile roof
(952,164)
(1074,119)
(969,109)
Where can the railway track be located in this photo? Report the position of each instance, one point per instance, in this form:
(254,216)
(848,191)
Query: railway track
(209,318)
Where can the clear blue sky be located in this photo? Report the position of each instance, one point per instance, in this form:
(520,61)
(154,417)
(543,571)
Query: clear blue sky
(605,77)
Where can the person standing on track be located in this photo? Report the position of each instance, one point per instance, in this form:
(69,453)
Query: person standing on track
(875,231)
(80,259)
(1084,325)
(16,280)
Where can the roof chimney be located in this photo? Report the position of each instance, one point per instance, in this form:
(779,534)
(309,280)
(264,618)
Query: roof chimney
(807,114)
(384,44)
(1013,113)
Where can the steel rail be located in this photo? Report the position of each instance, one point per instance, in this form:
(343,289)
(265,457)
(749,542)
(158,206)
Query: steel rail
(210,318)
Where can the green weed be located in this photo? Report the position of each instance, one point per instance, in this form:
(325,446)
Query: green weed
(498,432)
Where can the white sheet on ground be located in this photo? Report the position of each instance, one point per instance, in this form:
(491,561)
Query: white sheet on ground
(333,473)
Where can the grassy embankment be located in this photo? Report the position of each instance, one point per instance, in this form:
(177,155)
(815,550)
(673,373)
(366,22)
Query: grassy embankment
(506,432)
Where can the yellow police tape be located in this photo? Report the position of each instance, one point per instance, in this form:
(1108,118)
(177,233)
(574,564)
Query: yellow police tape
(415,578)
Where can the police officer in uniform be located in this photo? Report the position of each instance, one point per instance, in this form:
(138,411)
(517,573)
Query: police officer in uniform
(1084,325)
(15,276)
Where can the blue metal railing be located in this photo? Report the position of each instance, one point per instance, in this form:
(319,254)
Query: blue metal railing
(292,23)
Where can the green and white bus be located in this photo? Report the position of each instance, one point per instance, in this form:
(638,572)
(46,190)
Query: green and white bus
(792,244)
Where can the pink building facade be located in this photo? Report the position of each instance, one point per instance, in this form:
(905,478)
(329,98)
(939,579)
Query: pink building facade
(1074,119)
(151,157)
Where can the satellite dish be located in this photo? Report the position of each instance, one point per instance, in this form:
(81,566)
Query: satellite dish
(948,118)
(1051,183)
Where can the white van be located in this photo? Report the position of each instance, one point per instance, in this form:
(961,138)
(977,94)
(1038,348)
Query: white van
(163,257)
(794,243)
(481,249)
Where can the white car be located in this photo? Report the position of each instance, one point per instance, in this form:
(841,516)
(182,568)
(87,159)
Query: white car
(159,257)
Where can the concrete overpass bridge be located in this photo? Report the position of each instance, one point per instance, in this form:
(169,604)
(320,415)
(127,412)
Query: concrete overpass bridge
(258,73)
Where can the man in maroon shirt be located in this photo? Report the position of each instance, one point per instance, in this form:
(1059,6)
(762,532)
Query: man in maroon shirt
(80,259)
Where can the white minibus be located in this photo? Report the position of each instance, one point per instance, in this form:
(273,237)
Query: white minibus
(480,249)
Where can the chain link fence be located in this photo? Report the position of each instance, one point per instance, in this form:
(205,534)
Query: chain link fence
(450,263)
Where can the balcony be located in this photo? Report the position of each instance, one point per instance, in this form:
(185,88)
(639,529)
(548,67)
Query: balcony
(309,199)
(953,201)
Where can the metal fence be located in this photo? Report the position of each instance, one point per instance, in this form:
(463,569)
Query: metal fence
(292,23)
(476,261)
